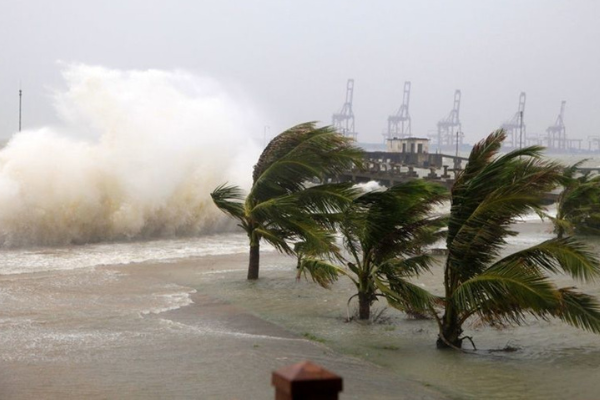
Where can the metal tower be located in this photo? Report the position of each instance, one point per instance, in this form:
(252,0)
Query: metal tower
(343,121)
(449,130)
(557,133)
(399,124)
(515,128)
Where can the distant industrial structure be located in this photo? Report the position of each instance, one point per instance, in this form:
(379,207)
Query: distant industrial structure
(399,123)
(449,134)
(449,129)
(555,138)
(343,120)
(515,128)
(556,135)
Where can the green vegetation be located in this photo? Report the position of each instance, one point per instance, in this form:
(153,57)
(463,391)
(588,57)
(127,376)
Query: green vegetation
(487,198)
(284,206)
(578,206)
(385,234)
(312,338)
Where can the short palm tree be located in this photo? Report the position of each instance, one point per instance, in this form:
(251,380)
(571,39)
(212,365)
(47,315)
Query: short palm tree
(487,198)
(284,204)
(386,234)
(578,206)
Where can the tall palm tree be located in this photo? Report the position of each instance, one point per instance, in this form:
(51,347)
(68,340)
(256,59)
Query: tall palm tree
(578,205)
(385,234)
(487,198)
(284,204)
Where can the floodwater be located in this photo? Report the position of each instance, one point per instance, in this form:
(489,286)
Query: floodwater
(177,319)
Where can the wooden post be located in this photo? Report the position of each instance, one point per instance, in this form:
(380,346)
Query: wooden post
(306,381)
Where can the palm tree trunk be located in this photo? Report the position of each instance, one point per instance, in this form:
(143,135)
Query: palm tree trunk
(253,264)
(364,306)
(450,331)
(451,328)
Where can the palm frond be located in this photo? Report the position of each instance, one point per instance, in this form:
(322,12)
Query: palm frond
(406,267)
(556,255)
(277,238)
(579,310)
(489,197)
(299,155)
(505,292)
(578,203)
(321,272)
(327,198)
(398,221)
(406,296)
(230,200)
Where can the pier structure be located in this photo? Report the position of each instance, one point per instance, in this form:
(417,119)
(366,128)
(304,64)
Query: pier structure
(389,168)
(343,121)
(449,129)
(534,139)
(593,143)
(399,124)
(515,128)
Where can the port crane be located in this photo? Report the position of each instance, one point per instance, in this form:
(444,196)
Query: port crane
(399,124)
(343,121)
(449,129)
(515,128)
(557,133)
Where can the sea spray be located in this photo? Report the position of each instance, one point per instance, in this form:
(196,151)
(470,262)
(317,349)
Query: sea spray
(137,156)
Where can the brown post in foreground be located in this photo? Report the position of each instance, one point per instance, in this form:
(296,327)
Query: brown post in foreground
(306,381)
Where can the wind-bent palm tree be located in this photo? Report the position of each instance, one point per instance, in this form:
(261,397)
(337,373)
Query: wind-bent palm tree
(578,206)
(487,198)
(385,234)
(284,205)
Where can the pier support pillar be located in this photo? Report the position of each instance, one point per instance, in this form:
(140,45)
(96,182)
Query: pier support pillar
(445,176)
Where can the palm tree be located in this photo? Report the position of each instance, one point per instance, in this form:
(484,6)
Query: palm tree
(385,234)
(487,198)
(578,205)
(284,205)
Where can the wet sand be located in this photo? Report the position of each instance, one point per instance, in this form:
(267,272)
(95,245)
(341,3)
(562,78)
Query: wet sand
(107,348)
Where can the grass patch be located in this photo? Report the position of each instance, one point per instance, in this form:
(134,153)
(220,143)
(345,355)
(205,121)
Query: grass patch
(313,338)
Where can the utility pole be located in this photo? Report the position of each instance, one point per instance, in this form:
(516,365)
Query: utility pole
(457,133)
(20,98)
(521,129)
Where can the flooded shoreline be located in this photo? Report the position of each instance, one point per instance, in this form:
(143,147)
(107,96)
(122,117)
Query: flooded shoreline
(144,331)
(189,326)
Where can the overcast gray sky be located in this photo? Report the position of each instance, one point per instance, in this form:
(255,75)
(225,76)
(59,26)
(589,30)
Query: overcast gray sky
(293,57)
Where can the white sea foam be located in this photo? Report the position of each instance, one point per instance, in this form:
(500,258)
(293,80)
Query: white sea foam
(137,156)
(171,301)
(215,330)
(16,261)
